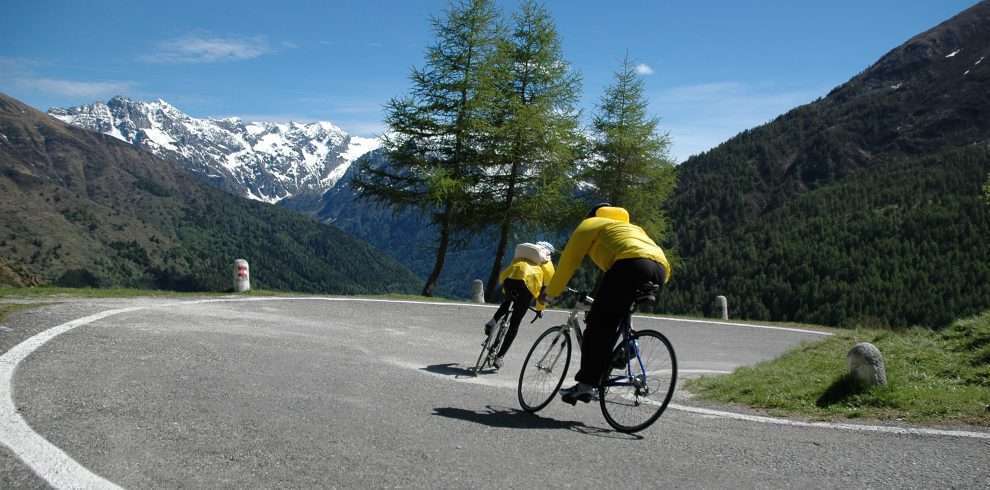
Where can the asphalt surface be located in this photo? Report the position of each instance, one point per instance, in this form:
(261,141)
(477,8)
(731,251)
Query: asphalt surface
(311,393)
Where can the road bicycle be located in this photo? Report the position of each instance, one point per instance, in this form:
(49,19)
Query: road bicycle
(633,391)
(493,340)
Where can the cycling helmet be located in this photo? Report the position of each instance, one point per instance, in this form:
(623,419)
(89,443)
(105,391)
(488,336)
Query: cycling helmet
(608,211)
(546,246)
(594,209)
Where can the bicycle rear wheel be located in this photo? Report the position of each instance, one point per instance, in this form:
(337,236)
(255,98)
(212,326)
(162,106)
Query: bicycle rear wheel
(491,344)
(483,356)
(544,369)
(634,396)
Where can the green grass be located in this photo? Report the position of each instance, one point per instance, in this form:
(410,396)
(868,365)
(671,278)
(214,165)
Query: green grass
(60,292)
(933,377)
(55,292)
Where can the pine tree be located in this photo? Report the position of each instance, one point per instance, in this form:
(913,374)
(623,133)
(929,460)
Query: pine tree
(533,140)
(631,166)
(433,133)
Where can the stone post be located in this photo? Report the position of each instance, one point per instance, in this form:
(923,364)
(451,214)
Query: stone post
(866,364)
(723,306)
(477,291)
(242,276)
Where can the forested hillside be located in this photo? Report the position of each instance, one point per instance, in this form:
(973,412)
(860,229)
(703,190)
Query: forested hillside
(83,209)
(407,235)
(863,206)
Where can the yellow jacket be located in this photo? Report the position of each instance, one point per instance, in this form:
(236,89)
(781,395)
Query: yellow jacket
(534,276)
(606,240)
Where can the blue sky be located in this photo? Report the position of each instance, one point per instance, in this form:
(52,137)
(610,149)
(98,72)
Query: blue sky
(711,68)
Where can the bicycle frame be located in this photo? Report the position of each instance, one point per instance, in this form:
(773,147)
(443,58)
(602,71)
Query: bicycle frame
(630,345)
(618,390)
(574,325)
(493,342)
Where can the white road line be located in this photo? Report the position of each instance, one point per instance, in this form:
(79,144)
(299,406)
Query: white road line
(61,471)
(484,380)
(829,425)
(702,371)
(731,324)
(47,461)
(705,412)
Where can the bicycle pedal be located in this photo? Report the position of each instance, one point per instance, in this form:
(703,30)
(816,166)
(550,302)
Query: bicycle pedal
(572,400)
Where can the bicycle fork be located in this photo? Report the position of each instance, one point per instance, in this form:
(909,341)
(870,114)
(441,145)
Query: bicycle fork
(543,363)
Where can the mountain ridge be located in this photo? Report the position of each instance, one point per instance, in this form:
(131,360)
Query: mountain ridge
(81,208)
(264,161)
(921,113)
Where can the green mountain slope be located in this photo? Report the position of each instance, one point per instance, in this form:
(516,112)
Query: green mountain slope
(863,206)
(81,208)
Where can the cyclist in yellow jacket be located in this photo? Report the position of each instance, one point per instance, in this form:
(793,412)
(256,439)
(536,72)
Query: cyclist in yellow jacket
(521,281)
(630,259)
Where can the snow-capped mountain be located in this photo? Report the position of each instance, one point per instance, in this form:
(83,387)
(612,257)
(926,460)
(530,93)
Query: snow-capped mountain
(265,161)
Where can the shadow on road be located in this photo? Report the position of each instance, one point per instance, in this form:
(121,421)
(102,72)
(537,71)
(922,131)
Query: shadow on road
(511,418)
(450,369)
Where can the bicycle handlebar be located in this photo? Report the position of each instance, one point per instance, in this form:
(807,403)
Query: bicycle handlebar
(583,297)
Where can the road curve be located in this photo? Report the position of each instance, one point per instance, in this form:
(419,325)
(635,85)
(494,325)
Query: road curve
(339,392)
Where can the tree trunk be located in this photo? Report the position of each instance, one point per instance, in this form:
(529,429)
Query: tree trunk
(431,282)
(490,293)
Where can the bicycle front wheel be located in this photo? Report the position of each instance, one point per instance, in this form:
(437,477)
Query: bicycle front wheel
(544,369)
(635,395)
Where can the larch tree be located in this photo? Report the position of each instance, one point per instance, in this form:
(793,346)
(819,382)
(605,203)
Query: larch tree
(433,136)
(533,138)
(630,165)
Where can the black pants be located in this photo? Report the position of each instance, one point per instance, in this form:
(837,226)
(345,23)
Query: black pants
(517,295)
(614,297)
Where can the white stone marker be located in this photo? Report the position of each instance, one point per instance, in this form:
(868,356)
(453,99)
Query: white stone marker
(477,291)
(723,304)
(242,276)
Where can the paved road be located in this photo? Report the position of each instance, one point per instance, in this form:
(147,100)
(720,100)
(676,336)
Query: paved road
(313,393)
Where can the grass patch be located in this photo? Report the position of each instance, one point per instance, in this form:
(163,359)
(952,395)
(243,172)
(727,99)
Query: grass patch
(57,292)
(933,377)
(62,292)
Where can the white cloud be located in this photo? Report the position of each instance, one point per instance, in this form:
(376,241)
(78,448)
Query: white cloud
(73,88)
(700,117)
(289,45)
(644,69)
(197,48)
(367,129)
